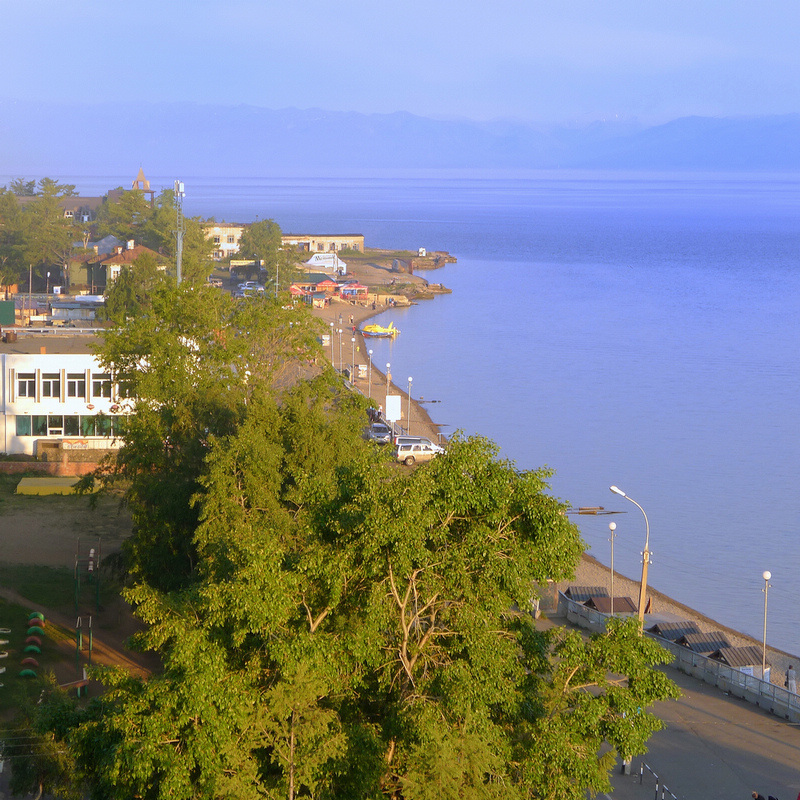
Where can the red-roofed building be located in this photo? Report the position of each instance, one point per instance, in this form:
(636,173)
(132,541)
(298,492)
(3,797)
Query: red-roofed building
(111,265)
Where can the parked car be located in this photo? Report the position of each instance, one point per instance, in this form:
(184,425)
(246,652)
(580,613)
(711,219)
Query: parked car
(414,452)
(378,432)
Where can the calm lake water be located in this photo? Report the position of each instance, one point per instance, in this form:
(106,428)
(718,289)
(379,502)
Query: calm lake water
(620,329)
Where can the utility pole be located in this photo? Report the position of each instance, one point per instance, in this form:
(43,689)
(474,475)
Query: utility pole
(181,226)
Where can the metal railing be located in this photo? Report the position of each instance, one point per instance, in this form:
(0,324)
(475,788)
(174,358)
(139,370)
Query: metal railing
(775,699)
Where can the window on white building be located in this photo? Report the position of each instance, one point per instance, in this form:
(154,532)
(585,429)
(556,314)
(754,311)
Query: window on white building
(231,240)
(101,385)
(26,384)
(76,384)
(51,384)
(216,240)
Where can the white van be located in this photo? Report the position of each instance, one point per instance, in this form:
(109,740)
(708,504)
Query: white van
(414,452)
(411,440)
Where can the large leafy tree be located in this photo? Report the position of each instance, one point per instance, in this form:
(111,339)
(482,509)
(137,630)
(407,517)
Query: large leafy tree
(261,241)
(159,233)
(131,216)
(333,625)
(12,239)
(130,294)
(48,233)
(123,214)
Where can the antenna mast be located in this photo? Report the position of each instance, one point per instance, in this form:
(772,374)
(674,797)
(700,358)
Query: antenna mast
(181,225)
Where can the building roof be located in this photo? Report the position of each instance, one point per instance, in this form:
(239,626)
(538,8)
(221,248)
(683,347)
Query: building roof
(56,343)
(319,235)
(580,594)
(704,642)
(622,605)
(674,630)
(129,255)
(747,656)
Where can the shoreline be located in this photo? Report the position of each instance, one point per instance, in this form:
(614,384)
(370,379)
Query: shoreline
(589,570)
(375,384)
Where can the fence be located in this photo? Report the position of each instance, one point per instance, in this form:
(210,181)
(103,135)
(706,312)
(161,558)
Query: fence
(775,699)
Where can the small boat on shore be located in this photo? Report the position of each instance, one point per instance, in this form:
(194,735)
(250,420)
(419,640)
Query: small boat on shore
(379,331)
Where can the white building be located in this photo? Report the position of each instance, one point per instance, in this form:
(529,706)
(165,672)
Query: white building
(225,237)
(63,398)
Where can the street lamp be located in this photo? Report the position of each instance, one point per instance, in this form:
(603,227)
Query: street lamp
(353,362)
(388,377)
(369,377)
(612,526)
(47,291)
(408,415)
(766,575)
(645,554)
(340,349)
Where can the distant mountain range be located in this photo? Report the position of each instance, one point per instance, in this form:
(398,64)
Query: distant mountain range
(215,140)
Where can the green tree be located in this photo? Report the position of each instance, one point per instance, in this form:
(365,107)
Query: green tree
(22,187)
(159,233)
(261,241)
(123,214)
(48,233)
(333,625)
(12,240)
(129,295)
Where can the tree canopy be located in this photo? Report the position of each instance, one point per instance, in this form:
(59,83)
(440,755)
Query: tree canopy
(332,624)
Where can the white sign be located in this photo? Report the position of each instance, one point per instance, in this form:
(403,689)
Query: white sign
(393,411)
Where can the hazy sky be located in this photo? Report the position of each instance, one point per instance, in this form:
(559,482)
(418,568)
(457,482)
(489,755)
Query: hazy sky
(523,59)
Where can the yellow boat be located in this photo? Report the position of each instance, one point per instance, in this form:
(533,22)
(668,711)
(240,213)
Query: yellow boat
(379,331)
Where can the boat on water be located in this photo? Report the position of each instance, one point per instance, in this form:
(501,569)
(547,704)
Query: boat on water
(379,331)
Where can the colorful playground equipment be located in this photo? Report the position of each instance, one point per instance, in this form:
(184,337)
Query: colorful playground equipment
(33,645)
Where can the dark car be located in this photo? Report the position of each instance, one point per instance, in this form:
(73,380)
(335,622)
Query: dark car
(378,432)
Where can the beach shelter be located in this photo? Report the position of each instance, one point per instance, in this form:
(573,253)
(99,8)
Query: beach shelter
(673,630)
(622,605)
(704,643)
(746,659)
(580,594)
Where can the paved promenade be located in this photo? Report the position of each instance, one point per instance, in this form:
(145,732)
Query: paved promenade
(714,747)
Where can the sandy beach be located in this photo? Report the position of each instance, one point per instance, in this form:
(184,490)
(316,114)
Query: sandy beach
(590,572)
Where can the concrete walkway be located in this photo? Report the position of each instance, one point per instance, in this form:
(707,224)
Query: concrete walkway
(714,747)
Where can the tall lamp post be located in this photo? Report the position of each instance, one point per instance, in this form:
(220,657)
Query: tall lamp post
(353,362)
(408,414)
(766,575)
(612,526)
(47,291)
(645,554)
(388,376)
(340,349)
(369,377)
